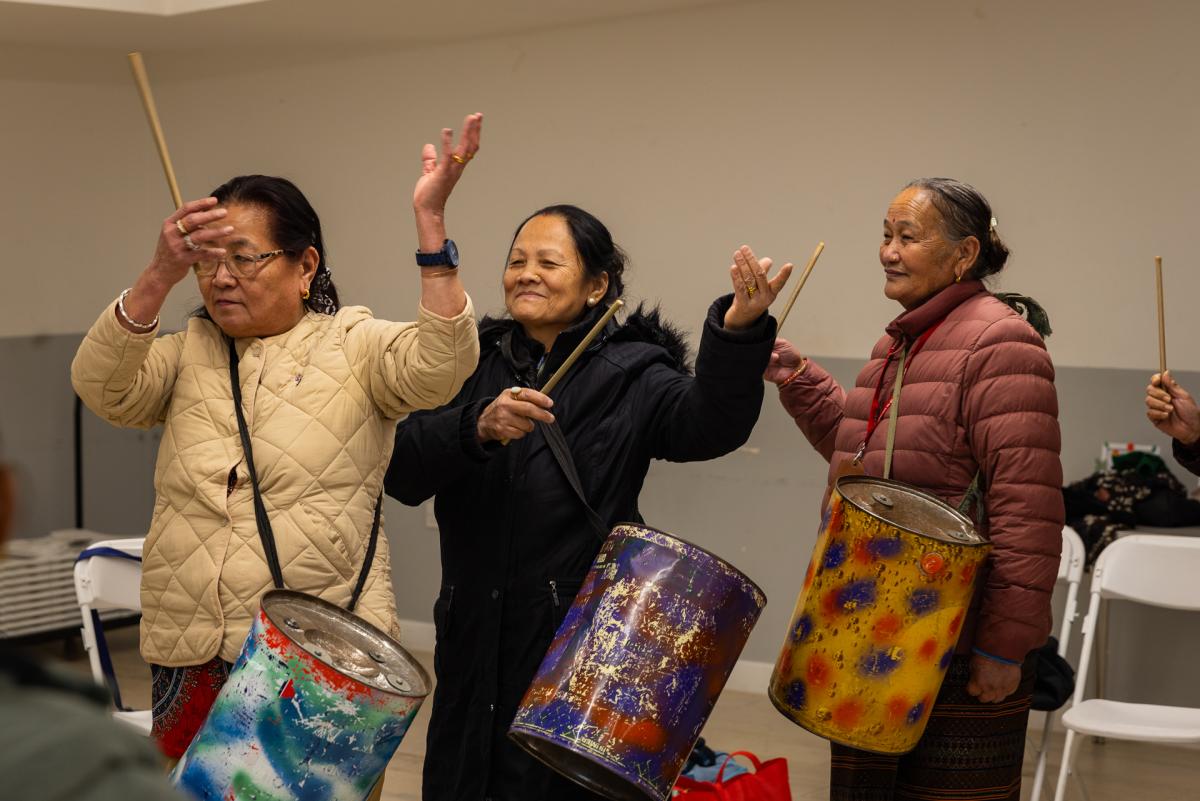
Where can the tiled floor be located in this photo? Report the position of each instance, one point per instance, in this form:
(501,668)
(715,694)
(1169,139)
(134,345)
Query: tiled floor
(1115,771)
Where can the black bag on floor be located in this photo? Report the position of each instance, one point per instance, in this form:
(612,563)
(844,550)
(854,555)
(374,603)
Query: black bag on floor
(1054,681)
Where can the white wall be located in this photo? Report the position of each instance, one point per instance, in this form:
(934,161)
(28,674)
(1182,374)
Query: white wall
(776,124)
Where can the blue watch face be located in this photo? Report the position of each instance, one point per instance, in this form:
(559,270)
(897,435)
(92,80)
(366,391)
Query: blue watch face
(447,256)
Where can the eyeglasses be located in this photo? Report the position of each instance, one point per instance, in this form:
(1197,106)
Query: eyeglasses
(240,265)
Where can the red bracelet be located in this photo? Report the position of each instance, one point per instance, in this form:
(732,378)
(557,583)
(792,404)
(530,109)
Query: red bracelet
(803,366)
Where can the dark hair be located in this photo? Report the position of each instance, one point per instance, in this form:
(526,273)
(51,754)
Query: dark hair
(294,225)
(593,242)
(966,212)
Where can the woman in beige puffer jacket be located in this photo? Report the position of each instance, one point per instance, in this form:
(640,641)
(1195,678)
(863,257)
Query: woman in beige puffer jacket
(978,397)
(322,388)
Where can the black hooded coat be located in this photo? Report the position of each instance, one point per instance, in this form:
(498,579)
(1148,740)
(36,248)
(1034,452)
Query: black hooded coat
(516,542)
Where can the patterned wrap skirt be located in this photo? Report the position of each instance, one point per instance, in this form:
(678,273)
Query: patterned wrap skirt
(181,698)
(971,751)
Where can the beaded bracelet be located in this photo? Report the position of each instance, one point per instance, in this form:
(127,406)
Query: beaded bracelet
(799,371)
(132,322)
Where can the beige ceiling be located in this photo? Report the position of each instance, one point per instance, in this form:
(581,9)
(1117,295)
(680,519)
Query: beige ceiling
(309,22)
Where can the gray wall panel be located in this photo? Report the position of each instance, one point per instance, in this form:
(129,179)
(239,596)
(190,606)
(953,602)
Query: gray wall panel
(757,507)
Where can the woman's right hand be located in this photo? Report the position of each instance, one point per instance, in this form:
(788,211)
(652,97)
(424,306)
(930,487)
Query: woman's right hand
(785,360)
(173,255)
(1172,409)
(512,414)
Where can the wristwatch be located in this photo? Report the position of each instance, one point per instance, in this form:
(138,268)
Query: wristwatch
(446,257)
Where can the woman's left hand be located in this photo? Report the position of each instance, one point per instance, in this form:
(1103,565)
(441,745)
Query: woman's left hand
(753,292)
(992,681)
(440,172)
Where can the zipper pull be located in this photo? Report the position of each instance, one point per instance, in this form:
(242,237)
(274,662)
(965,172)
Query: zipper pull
(554,593)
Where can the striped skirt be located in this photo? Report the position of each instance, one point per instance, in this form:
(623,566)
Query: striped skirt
(970,751)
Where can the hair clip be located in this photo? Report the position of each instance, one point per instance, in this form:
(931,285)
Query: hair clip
(992,226)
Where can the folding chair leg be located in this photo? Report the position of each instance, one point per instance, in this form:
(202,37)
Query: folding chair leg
(1070,751)
(1039,775)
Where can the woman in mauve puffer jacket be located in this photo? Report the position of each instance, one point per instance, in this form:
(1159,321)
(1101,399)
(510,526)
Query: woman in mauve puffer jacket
(977,397)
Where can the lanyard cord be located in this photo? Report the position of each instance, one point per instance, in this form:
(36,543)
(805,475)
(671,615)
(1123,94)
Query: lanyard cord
(895,413)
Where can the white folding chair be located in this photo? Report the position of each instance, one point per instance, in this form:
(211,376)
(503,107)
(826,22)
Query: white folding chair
(1070,570)
(1158,570)
(108,575)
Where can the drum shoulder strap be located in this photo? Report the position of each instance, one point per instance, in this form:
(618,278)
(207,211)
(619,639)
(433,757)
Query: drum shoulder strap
(562,455)
(263,521)
(974,494)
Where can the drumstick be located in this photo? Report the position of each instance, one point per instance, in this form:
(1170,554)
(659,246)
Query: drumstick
(803,277)
(579,349)
(1162,323)
(143,85)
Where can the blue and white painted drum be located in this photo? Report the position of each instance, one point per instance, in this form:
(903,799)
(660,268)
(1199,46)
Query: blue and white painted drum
(314,708)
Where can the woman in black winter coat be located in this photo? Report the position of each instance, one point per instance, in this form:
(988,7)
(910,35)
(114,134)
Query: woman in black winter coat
(516,539)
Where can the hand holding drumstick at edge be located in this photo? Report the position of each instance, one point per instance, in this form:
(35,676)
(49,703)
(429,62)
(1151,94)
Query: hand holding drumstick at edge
(515,412)
(1172,409)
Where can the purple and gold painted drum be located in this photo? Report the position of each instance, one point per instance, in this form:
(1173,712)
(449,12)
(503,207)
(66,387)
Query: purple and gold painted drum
(638,664)
(314,708)
(883,602)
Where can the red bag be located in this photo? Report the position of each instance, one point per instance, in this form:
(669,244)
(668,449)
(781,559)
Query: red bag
(768,782)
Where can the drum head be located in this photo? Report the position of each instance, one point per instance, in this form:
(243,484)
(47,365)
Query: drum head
(346,643)
(581,769)
(908,508)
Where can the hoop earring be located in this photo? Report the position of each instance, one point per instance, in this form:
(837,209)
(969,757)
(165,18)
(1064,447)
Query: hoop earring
(304,295)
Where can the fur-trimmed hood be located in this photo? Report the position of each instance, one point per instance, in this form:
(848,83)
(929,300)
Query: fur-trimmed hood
(645,324)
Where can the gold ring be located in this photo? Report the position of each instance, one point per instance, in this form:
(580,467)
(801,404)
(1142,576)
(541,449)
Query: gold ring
(182,228)
(750,290)
(516,392)
(460,159)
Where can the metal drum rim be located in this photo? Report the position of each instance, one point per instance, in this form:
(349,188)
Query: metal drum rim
(321,602)
(520,735)
(733,568)
(887,482)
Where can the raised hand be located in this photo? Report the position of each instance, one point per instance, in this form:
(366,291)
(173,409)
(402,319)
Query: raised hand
(1172,409)
(440,172)
(753,292)
(184,238)
(785,360)
(512,414)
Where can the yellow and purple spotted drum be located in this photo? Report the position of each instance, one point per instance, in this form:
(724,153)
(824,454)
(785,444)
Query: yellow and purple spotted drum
(314,708)
(637,664)
(890,581)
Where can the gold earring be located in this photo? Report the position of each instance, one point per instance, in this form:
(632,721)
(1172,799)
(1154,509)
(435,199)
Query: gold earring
(304,294)
(958,279)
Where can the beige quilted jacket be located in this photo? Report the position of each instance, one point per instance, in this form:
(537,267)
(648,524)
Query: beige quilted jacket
(321,402)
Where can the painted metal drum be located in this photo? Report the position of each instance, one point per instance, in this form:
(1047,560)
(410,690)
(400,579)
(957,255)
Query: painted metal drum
(637,664)
(875,627)
(314,708)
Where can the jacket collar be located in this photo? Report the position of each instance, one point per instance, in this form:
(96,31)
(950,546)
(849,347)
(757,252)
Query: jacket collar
(914,322)
(525,355)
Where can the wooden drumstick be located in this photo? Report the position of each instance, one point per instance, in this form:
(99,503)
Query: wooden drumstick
(1162,323)
(579,349)
(143,85)
(803,277)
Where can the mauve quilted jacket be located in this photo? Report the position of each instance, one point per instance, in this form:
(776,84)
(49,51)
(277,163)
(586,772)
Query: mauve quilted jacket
(321,402)
(978,396)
